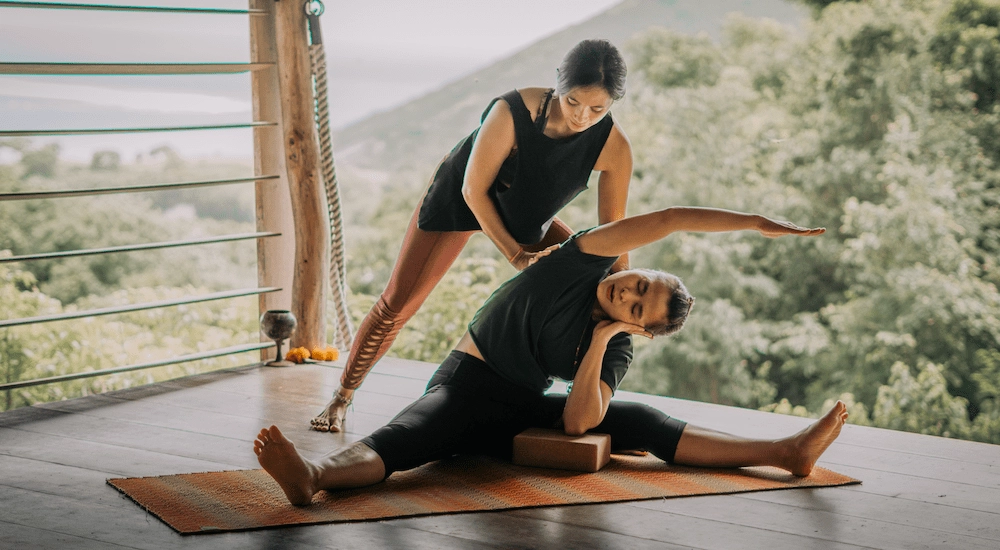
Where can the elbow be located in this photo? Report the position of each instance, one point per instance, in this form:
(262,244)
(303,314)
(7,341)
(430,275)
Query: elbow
(469,194)
(577,425)
(574,428)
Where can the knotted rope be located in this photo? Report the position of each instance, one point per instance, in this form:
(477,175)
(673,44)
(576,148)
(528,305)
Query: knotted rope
(343,331)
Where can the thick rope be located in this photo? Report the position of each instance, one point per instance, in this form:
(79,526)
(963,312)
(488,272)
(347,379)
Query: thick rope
(344,330)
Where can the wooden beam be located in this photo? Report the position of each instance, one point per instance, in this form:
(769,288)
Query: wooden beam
(301,146)
(276,256)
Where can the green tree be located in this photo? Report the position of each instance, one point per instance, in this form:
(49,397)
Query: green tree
(879,124)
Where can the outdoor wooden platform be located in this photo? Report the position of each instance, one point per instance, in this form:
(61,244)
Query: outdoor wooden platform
(918,491)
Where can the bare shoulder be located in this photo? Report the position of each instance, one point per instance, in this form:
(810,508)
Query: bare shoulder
(617,150)
(533,98)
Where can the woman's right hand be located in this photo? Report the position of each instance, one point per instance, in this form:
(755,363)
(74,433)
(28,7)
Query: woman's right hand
(523,258)
(773,228)
(604,331)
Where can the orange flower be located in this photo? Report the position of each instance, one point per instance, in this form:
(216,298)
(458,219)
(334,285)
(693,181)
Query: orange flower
(297,355)
(328,354)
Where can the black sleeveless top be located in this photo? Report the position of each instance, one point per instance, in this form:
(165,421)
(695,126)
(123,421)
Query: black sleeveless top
(537,326)
(532,185)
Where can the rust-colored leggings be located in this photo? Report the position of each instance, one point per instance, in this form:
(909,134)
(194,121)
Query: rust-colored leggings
(423,260)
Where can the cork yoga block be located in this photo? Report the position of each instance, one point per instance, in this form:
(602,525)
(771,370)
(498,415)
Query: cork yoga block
(554,449)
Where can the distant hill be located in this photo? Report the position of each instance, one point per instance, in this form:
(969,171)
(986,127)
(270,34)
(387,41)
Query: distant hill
(409,140)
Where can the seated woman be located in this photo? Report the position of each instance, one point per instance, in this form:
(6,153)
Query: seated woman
(562,317)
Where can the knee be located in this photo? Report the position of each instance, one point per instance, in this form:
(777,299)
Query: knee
(640,414)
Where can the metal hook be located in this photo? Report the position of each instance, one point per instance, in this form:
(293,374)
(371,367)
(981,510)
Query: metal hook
(314,8)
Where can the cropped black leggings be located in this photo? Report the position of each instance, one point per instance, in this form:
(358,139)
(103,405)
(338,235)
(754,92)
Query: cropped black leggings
(470,409)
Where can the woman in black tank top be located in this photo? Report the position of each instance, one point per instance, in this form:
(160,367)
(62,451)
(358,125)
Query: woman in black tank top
(534,152)
(473,406)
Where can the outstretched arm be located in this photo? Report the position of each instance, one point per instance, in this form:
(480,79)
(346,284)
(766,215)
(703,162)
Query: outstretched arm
(617,238)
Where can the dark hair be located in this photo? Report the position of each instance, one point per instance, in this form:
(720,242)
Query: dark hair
(678,306)
(593,63)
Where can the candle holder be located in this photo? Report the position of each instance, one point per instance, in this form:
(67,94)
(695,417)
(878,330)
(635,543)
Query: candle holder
(278,324)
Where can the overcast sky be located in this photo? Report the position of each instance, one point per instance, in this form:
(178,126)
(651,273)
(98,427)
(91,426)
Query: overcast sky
(381,53)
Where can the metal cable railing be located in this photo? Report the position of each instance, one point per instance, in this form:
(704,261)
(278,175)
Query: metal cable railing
(135,307)
(110,69)
(113,7)
(232,350)
(29,68)
(137,247)
(96,131)
(58,194)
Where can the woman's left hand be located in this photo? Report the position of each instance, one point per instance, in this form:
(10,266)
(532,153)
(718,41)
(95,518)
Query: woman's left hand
(773,228)
(605,330)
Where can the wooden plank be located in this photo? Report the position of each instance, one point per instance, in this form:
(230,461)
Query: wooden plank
(301,147)
(129,527)
(972,473)
(85,486)
(116,520)
(860,505)
(276,257)
(922,489)
(88,490)
(167,428)
(832,523)
(115,460)
(685,530)
(130,68)
(512,531)
(227,452)
(23,536)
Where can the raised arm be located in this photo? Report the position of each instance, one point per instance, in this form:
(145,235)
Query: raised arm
(615,166)
(617,238)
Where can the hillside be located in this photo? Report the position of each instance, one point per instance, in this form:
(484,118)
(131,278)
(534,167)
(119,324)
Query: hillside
(404,144)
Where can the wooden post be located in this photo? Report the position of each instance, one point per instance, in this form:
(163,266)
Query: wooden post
(301,146)
(275,255)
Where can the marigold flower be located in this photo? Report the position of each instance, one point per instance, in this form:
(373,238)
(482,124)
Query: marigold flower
(297,355)
(328,354)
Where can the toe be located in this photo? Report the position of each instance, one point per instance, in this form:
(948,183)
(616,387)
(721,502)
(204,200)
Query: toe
(320,427)
(336,424)
(277,436)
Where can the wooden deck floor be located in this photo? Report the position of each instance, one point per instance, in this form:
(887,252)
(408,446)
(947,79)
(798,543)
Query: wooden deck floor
(918,491)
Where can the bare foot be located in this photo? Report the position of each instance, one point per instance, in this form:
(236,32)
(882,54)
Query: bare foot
(332,417)
(806,446)
(296,475)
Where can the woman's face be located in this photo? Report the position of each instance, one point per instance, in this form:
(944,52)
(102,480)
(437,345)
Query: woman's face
(584,107)
(635,296)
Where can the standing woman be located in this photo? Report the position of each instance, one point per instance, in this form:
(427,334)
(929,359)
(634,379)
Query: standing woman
(532,154)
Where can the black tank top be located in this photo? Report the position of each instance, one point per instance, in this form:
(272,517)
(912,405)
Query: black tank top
(532,185)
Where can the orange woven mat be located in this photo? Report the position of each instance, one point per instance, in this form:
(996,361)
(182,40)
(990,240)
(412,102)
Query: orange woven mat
(238,500)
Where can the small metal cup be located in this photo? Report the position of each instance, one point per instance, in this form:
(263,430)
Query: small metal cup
(278,324)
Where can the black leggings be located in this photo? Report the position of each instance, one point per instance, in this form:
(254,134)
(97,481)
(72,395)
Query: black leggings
(470,409)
